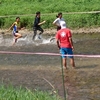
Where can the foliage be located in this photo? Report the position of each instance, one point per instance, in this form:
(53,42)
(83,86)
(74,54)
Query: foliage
(25,7)
(11,93)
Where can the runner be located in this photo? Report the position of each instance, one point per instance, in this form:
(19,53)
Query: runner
(16,27)
(65,44)
(58,21)
(37,25)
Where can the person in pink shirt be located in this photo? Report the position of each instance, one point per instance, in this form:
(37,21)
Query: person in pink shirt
(65,44)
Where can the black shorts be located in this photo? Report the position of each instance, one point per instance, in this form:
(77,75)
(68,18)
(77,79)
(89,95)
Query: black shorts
(58,28)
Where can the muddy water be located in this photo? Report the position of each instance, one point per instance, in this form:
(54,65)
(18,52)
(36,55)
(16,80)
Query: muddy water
(43,72)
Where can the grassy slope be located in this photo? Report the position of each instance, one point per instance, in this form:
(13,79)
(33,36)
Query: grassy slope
(12,7)
(8,7)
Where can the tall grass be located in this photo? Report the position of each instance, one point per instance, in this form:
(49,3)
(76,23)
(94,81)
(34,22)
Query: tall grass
(21,7)
(11,93)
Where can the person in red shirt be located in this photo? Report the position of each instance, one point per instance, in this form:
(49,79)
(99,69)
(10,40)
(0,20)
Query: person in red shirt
(65,44)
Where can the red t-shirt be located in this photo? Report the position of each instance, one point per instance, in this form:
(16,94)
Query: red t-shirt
(63,36)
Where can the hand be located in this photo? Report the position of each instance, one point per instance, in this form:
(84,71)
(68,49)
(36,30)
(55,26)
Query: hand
(22,28)
(58,25)
(43,22)
(72,48)
(7,30)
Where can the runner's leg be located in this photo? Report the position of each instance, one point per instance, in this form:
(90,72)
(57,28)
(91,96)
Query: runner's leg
(41,31)
(35,32)
(70,52)
(17,36)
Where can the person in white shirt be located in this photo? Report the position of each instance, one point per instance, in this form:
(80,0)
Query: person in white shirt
(57,22)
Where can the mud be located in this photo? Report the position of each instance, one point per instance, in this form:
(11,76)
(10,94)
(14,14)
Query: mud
(45,73)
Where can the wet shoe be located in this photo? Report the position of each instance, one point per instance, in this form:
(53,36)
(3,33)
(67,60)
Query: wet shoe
(39,37)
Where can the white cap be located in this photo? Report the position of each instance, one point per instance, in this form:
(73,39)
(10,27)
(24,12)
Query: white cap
(63,24)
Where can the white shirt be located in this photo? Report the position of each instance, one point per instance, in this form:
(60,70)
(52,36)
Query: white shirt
(58,21)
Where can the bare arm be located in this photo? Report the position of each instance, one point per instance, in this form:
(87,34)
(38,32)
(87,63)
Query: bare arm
(11,26)
(58,44)
(55,22)
(71,42)
(42,23)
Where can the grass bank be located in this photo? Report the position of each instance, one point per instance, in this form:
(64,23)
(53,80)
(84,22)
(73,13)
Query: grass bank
(11,93)
(23,7)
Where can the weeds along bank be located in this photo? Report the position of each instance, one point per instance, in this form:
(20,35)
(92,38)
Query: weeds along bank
(49,9)
(19,93)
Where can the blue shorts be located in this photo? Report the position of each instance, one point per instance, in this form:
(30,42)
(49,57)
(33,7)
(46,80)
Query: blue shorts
(65,51)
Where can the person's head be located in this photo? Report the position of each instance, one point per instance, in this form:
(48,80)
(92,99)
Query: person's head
(17,19)
(38,14)
(59,15)
(63,25)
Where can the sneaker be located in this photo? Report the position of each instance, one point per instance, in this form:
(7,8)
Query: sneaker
(39,37)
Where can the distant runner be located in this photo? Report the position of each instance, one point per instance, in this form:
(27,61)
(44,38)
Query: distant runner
(37,25)
(58,21)
(16,27)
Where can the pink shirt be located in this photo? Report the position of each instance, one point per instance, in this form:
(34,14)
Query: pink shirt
(63,36)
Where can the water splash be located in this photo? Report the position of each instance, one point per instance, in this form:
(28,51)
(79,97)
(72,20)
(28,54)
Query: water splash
(25,40)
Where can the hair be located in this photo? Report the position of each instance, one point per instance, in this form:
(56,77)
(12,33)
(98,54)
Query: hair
(58,14)
(17,17)
(37,13)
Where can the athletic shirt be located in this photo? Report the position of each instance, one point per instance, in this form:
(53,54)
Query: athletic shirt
(63,36)
(16,26)
(36,22)
(58,21)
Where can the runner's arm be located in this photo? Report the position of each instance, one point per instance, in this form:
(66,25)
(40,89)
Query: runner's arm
(42,23)
(11,27)
(55,23)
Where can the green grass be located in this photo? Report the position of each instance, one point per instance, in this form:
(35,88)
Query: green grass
(11,93)
(10,7)
(23,7)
